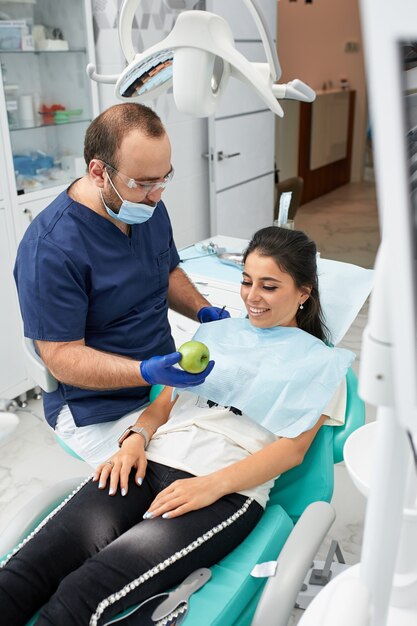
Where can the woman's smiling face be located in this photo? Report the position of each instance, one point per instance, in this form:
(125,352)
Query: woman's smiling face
(270,295)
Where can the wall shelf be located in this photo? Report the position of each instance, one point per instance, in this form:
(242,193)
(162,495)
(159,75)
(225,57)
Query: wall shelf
(23,52)
(55,125)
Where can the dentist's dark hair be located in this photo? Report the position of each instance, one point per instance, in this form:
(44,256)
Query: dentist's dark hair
(294,253)
(106,132)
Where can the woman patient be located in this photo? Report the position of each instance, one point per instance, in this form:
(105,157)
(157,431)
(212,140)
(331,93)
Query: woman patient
(149,518)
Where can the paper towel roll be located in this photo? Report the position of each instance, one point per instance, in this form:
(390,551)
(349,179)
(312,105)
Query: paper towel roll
(26,116)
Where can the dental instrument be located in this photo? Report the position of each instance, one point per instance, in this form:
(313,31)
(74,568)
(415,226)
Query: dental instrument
(200,45)
(209,249)
(231,258)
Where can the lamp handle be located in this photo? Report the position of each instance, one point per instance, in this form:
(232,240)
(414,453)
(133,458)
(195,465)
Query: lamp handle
(294,90)
(110,79)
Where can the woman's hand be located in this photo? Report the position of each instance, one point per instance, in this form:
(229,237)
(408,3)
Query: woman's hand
(119,466)
(182,496)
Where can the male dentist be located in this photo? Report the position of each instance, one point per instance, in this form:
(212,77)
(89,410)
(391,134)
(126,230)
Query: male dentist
(95,273)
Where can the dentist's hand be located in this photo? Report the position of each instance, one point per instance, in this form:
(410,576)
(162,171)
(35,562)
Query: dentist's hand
(212,314)
(160,370)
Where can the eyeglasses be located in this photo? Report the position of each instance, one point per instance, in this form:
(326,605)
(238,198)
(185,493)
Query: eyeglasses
(146,186)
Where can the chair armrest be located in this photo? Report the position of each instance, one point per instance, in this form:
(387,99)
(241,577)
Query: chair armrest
(280,593)
(33,512)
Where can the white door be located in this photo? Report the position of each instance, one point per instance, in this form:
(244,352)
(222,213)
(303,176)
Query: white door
(242,136)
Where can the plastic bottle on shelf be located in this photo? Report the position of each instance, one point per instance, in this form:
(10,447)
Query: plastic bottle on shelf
(11,99)
(27,118)
(12,106)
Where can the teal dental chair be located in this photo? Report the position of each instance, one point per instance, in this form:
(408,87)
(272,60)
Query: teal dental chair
(291,530)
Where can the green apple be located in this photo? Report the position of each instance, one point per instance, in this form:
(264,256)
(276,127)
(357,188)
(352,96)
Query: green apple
(195,356)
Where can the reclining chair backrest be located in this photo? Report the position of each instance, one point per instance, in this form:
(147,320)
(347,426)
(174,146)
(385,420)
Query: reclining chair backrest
(232,595)
(313,480)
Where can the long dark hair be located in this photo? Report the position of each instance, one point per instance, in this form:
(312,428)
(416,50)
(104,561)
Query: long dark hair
(294,253)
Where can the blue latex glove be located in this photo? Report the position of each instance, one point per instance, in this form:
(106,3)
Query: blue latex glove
(160,370)
(212,314)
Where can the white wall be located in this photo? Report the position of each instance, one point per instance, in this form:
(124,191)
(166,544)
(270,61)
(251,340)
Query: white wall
(187,197)
(311,46)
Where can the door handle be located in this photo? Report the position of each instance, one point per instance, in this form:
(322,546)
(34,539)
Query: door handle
(221,155)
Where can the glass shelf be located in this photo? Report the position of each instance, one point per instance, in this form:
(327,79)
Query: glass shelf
(77,121)
(39,79)
(64,180)
(43,51)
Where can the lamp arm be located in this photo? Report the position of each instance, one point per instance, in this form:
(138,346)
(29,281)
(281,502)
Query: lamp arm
(127,13)
(267,39)
(110,79)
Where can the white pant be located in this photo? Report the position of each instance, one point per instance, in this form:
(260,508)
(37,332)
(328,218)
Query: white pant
(94,443)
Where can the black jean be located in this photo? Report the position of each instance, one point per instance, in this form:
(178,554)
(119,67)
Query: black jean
(96,545)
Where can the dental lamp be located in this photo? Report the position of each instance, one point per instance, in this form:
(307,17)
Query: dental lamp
(197,59)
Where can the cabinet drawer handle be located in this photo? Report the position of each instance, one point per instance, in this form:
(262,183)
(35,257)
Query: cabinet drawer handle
(29,213)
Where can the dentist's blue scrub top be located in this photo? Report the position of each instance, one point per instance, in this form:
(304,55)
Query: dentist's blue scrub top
(78,276)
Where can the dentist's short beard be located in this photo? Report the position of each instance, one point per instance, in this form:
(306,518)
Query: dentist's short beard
(112,200)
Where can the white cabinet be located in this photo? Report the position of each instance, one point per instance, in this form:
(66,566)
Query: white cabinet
(217,293)
(218,283)
(47,99)
(13,377)
(28,206)
(46,104)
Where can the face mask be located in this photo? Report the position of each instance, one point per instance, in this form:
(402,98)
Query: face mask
(129,212)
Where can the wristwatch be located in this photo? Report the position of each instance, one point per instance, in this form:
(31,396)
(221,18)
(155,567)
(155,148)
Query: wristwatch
(134,429)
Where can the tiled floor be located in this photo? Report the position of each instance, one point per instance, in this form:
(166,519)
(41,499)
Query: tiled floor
(344,224)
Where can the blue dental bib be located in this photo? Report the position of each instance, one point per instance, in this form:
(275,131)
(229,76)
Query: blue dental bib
(280,377)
